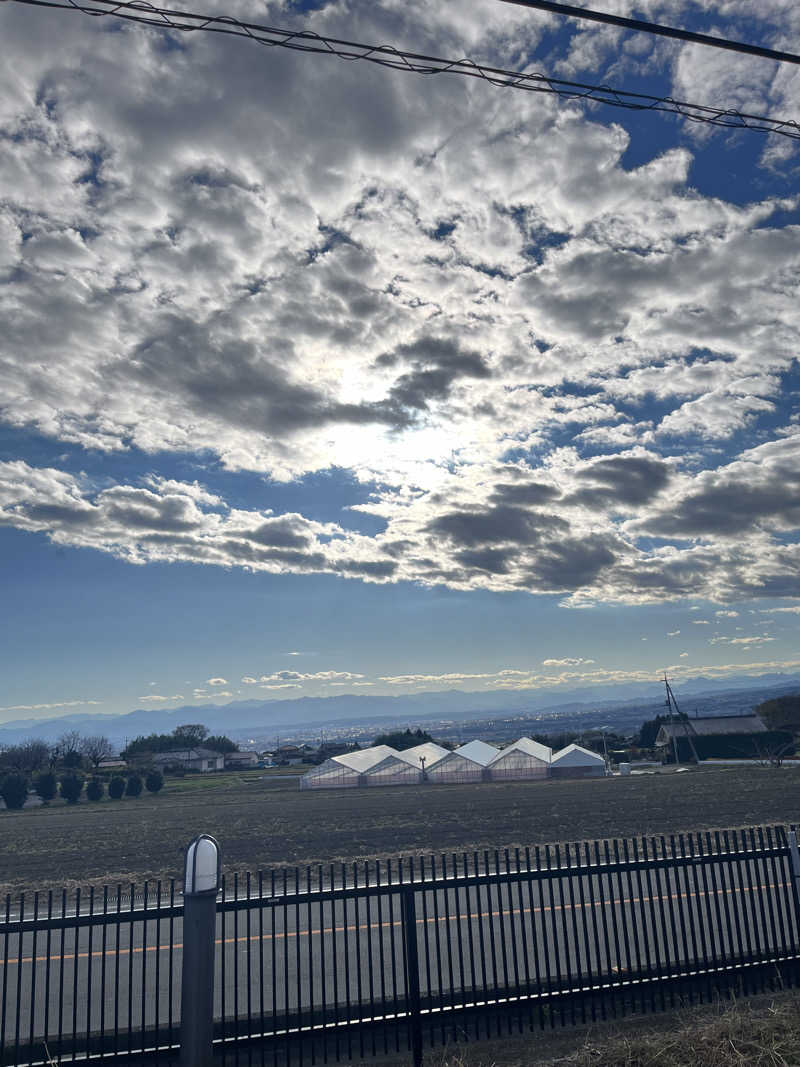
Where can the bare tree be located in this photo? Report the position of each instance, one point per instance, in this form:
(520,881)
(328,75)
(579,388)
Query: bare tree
(26,757)
(773,751)
(32,755)
(191,734)
(96,748)
(69,748)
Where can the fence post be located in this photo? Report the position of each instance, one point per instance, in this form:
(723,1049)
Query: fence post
(200,885)
(794,860)
(412,971)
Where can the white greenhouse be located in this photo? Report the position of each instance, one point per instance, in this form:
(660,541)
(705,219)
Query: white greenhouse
(576,762)
(467,764)
(523,759)
(345,771)
(405,767)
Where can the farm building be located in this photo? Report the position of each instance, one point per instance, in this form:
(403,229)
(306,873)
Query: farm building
(577,762)
(346,770)
(406,767)
(191,759)
(237,760)
(721,737)
(522,759)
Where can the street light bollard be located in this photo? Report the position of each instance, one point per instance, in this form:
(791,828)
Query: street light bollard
(200,885)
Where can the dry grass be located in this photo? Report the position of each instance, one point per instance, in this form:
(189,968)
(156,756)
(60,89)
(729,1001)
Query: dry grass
(762,1032)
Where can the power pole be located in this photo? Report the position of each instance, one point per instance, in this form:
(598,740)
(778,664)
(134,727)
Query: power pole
(689,729)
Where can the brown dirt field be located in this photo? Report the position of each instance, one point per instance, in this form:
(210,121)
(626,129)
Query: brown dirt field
(264,822)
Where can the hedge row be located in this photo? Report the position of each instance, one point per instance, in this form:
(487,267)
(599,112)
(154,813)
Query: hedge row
(14,787)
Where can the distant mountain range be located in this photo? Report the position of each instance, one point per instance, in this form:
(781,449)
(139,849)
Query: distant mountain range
(242,718)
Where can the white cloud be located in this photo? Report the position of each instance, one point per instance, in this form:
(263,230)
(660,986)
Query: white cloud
(673,633)
(317,676)
(377,267)
(216,681)
(761,639)
(52,706)
(157,698)
(727,614)
(568,662)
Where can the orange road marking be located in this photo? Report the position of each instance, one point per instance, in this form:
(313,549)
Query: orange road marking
(397,922)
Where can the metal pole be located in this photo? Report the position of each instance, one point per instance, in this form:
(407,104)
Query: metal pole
(199,926)
(412,972)
(794,860)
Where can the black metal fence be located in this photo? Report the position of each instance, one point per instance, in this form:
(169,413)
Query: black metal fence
(344,962)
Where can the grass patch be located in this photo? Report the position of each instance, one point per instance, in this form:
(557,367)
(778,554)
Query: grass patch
(264,820)
(758,1032)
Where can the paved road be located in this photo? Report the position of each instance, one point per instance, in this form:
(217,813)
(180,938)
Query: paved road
(347,957)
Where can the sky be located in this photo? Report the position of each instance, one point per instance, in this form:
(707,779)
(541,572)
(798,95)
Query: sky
(317,377)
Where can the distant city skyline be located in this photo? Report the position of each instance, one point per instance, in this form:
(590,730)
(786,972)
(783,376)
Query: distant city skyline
(320,378)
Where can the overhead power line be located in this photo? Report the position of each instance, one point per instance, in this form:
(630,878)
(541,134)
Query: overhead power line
(411,62)
(654,27)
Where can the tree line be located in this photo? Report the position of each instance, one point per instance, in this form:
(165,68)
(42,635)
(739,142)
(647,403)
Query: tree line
(60,769)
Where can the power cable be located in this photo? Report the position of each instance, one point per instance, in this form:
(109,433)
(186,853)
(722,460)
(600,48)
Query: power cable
(654,27)
(411,62)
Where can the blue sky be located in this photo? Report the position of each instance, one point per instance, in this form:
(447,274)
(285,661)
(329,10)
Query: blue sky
(317,378)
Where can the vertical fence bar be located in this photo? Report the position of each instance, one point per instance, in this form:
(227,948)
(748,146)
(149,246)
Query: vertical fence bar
(6,939)
(298,963)
(523,925)
(766,867)
(777,869)
(724,881)
(448,932)
(587,916)
(575,932)
(459,928)
(382,955)
(157,1019)
(18,999)
(273,911)
(261,974)
(371,950)
(132,904)
(634,923)
(412,972)
(103,948)
(603,920)
(171,954)
(47,952)
(346,937)
(33,973)
(759,888)
(501,921)
(719,945)
(75,959)
(144,960)
(663,932)
(393,949)
(359,963)
(117,933)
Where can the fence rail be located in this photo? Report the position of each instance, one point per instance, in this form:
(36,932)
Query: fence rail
(329,962)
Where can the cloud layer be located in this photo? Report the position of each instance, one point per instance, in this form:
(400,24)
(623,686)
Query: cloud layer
(563,374)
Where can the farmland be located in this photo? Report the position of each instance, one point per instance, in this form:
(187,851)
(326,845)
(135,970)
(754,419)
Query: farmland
(265,820)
